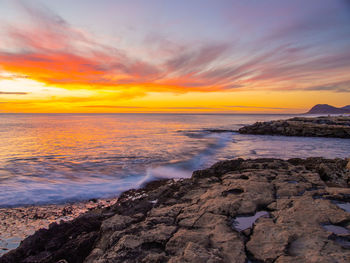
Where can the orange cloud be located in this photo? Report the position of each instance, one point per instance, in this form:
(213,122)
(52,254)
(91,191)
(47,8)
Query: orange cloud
(51,51)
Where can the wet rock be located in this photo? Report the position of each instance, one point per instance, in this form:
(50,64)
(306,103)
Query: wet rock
(19,223)
(241,223)
(344,205)
(338,230)
(338,127)
(192,218)
(268,240)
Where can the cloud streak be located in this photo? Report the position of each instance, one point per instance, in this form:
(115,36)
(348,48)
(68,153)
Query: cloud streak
(53,52)
(221,107)
(12,93)
(257,107)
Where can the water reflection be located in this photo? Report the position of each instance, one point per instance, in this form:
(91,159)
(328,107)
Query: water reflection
(53,158)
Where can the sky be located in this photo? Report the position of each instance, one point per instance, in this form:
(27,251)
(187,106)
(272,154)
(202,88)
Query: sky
(87,56)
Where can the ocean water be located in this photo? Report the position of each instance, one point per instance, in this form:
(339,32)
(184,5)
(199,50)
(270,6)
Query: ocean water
(57,158)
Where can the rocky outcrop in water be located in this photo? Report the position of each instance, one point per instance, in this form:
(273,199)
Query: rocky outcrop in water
(338,127)
(263,210)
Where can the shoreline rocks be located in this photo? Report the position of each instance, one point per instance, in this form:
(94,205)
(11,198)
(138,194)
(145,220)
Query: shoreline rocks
(17,223)
(337,127)
(294,211)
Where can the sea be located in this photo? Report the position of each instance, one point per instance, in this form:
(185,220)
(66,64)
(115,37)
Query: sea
(60,158)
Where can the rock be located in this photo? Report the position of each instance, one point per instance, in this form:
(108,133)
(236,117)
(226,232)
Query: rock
(17,223)
(267,243)
(70,241)
(192,218)
(338,127)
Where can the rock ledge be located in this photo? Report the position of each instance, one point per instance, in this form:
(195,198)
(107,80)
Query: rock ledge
(338,127)
(300,207)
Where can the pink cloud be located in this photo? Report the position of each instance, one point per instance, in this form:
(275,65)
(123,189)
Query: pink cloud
(50,50)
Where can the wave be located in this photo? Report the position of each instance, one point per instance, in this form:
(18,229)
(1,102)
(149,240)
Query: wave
(184,169)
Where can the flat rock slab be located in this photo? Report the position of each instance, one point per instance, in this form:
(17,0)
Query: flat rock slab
(190,220)
(337,127)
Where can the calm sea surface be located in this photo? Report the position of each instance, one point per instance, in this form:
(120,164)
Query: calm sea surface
(54,158)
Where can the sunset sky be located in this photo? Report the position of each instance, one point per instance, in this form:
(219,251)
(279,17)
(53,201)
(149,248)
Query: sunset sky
(173,56)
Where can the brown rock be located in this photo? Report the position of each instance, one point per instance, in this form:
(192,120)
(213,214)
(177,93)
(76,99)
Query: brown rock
(192,219)
(338,127)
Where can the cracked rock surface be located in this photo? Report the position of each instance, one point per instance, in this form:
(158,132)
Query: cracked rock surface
(194,220)
(336,126)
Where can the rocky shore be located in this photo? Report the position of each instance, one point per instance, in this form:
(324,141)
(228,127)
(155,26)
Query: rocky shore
(262,210)
(18,223)
(338,127)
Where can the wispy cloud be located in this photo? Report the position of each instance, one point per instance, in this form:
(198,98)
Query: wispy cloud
(50,50)
(337,87)
(12,93)
(150,108)
(257,107)
(112,107)
(221,107)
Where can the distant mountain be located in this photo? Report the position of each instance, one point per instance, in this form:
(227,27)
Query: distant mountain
(328,109)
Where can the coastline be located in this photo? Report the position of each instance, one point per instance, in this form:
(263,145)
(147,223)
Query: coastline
(324,126)
(295,204)
(156,218)
(17,223)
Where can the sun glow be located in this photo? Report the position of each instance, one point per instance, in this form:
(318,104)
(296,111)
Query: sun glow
(48,64)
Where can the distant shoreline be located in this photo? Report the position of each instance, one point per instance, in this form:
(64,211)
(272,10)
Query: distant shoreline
(323,126)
